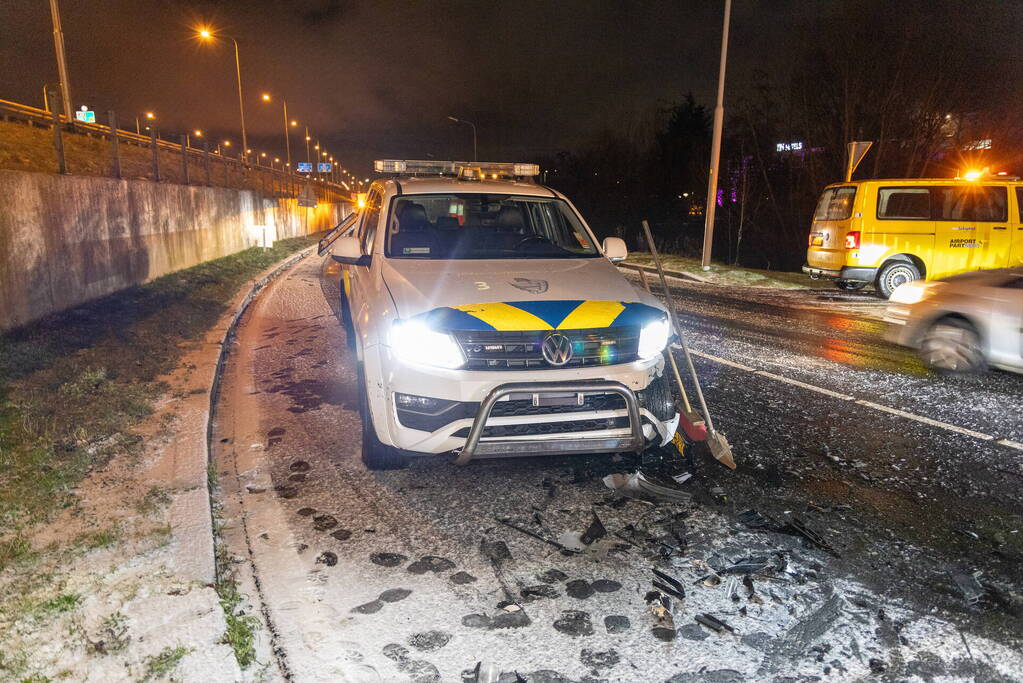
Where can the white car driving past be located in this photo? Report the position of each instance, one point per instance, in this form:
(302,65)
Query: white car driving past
(488,322)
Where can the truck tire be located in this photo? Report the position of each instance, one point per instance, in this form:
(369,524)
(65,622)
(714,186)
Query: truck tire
(952,345)
(375,455)
(893,274)
(346,321)
(850,285)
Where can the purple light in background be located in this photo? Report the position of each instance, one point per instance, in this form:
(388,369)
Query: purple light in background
(721,197)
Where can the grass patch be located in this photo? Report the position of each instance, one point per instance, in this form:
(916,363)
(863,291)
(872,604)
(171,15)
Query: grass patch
(30,148)
(72,386)
(723,274)
(13,549)
(99,539)
(241,628)
(159,665)
(62,603)
(156,499)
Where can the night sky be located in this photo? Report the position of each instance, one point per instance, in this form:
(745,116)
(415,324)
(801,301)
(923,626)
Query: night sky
(376,78)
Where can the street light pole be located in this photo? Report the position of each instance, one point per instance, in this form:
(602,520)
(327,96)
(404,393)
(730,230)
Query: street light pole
(207,34)
(715,153)
(241,102)
(287,134)
(475,157)
(58,44)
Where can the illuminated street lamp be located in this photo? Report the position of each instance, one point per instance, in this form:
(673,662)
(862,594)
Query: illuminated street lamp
(149,116)
(287,134)
(207,35)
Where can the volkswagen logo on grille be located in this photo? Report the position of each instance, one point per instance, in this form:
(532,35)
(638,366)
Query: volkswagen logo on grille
(557,349)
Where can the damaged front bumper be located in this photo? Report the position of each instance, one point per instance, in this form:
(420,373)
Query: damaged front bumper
(431,411)
(634,441)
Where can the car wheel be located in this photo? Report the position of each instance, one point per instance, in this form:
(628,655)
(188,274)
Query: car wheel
(850,285)
(375,455)
(953,346)
(893,274)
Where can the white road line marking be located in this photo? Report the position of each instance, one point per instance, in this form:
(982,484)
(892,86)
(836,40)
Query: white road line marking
(927,420)
(804,385)
(716,359)
(866,404)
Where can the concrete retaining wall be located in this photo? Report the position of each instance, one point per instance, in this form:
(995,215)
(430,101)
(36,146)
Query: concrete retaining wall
(65,240)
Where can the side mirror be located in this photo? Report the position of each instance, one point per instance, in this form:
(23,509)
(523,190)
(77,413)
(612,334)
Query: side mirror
(348,251)
(614,249)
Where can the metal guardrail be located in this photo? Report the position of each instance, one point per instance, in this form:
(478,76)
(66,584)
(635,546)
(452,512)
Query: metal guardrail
(45,118)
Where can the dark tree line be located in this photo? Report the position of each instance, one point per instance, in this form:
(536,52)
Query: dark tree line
(931,84)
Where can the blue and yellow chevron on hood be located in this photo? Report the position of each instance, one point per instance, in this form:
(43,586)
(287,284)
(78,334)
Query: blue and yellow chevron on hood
(527,316)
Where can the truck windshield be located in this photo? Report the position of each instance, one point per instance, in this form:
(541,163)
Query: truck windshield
(835,204)
(485,226)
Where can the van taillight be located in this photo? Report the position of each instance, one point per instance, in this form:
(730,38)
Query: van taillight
(809,240)
(852,239)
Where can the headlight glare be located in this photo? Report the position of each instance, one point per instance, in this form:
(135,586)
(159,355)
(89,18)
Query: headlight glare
(653,338)
(910,293)
(413,342)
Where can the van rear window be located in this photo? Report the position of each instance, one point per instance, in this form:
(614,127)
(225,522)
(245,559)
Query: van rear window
(835,204)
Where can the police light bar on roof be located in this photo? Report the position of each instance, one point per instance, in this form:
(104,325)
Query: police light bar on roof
(466,170)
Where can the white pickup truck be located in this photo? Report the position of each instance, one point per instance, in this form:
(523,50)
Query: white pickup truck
(488,322)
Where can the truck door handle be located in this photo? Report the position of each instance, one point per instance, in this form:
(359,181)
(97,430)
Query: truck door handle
(998,227)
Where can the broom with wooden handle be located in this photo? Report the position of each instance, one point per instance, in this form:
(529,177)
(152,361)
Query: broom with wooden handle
(717,442)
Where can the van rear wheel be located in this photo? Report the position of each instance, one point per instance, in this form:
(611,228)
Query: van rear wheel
(893,274)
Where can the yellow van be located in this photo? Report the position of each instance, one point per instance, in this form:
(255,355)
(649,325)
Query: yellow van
(888,232)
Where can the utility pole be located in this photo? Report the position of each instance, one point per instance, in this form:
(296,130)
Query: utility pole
(715,153)
(58,44)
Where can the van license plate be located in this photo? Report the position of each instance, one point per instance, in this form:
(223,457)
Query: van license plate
(818,241)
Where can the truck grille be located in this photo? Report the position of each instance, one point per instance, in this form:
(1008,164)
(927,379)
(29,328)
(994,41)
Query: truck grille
(541,428)
(656,398)
(492,350)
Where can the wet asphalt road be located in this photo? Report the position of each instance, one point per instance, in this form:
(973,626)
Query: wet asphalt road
(402,575)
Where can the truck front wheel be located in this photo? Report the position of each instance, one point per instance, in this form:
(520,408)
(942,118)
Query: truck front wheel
(375,455)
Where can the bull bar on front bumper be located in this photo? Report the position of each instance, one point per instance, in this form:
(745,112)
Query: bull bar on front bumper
(496,448)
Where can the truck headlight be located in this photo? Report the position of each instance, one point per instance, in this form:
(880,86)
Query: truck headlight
(653,338)
(414,342)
